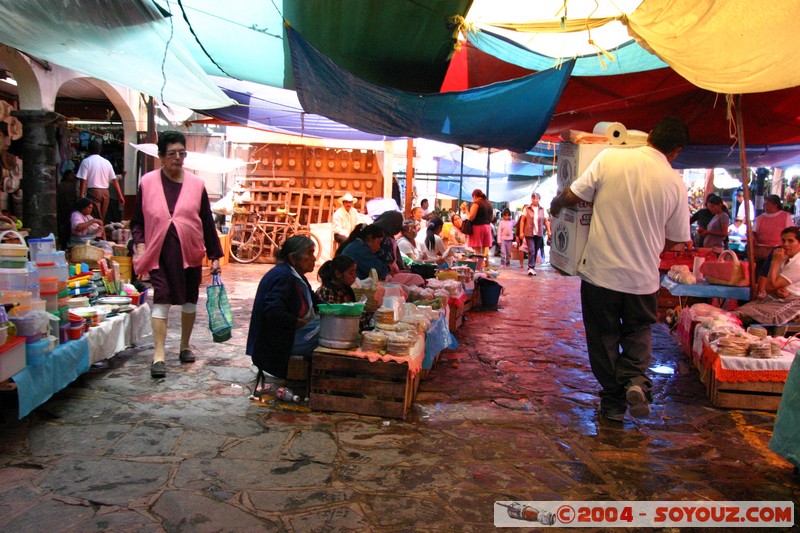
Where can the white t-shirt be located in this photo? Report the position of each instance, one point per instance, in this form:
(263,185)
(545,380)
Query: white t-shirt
(97,171)
(639,202)
(438,248)
(791,273)
(409,249)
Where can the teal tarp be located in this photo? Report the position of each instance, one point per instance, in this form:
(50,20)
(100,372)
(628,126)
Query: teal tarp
(629,57)
(512,115)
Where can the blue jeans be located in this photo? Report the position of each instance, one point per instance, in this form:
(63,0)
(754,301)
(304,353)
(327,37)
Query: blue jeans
(535,245)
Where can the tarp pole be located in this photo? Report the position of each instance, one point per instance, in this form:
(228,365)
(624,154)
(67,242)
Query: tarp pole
(746,185)
(460,182)
(488,170)
(409,176)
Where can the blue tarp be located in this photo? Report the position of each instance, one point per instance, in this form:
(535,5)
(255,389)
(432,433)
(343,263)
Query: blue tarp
(629,57)
(512,115)
(279,110)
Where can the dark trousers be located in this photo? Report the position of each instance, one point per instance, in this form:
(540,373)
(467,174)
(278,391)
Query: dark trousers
(615,320)
(535,246)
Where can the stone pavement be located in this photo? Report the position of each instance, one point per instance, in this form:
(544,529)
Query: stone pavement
(509,415)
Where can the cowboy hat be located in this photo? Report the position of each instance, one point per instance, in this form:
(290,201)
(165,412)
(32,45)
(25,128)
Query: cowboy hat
(348,198)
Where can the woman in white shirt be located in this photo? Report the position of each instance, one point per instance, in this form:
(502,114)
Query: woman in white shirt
(781,304)
(432,245)
(407,244)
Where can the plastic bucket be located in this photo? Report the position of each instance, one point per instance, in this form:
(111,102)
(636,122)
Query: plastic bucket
(490,292)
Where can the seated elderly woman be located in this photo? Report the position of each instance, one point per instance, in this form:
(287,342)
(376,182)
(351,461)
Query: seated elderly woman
(83,226)
(284,321)
(781,303)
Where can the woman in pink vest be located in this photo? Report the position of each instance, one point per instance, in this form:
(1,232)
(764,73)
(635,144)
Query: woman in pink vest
(173,230)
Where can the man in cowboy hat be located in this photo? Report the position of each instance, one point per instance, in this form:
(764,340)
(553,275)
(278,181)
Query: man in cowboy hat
(345,219)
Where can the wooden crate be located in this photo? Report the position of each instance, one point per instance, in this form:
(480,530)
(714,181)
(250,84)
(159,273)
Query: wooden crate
(225,242)
(757,395)
(341,382)
(456,317)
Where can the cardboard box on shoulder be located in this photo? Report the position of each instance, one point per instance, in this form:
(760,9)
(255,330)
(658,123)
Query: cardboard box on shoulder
(570,231)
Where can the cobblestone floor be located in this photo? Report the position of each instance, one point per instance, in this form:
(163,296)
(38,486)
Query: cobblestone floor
(509,415)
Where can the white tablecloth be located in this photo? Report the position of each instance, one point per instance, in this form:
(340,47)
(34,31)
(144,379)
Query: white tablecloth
(119,332)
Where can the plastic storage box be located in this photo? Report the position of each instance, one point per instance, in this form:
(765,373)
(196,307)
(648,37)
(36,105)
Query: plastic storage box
(12,357)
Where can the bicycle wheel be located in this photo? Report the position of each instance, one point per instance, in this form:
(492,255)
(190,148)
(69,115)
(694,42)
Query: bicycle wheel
(246,244)
(314,238)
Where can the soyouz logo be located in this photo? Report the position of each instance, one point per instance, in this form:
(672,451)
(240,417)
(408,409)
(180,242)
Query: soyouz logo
(561,237)
(644,514)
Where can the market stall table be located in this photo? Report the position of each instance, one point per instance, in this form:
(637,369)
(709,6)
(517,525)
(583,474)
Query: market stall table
(702,289)
(739,382)
(37,384)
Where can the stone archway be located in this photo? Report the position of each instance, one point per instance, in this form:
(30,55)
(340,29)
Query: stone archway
(38,84)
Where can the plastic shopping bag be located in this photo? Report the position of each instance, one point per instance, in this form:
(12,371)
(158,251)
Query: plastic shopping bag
(220,316)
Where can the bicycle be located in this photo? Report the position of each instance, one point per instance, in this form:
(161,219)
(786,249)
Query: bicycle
(250,235)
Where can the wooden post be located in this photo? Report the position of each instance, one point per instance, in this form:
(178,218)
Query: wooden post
(409,176)
(746,186)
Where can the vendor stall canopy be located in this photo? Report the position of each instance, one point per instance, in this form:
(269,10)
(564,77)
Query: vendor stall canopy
(649,55)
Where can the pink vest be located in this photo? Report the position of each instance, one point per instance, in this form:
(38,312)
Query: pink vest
(157,220)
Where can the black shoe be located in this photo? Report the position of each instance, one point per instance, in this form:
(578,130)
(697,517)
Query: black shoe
(158,370)
(615,416)
(187,356)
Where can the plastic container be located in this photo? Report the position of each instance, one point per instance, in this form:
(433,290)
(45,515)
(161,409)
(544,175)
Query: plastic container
(124,267)
(48,284)
(37,304)
(8,249)
(63,302)
(75,333)
(3,333)
(51,270)
(51,298)
(30,339)
(19,298)
(78,301)
(30,324)
(12,262)
(13,278)
(42,246)
(12,358)
(63,314)
(63,333)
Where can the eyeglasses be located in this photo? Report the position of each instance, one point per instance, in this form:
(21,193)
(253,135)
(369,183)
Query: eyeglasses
(176,153)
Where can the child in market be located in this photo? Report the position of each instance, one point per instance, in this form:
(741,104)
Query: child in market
(337,275)
(505,234)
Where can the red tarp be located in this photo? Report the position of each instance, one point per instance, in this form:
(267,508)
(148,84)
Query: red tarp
(640,100)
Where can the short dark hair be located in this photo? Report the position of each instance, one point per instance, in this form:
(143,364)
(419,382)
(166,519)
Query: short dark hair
(774,199)
(94,147)
(165,138)
(669,134)
(423,201)
(792,229)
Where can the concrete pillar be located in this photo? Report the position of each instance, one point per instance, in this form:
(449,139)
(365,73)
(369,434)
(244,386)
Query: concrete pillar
(39,175)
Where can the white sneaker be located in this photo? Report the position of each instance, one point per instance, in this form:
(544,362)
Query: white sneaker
(638,405)
(531,272)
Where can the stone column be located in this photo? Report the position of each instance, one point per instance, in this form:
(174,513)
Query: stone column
(39,173)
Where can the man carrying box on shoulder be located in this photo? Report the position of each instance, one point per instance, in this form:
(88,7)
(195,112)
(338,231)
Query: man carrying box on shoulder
(640,209)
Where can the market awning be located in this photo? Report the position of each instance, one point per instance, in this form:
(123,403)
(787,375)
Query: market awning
(511,114)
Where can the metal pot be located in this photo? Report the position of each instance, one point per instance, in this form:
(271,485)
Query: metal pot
(338,332)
